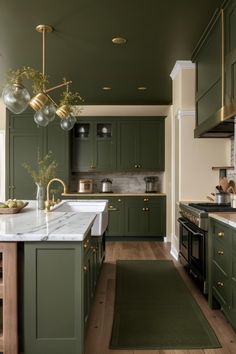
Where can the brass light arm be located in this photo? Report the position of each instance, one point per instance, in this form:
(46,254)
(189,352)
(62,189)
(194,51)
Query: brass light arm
(47,203)
(58,86)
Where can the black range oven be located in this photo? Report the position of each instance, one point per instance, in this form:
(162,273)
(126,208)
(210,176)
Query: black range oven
(193,228)
(192,250)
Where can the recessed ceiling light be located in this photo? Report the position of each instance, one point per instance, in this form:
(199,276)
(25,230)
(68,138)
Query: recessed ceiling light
(142,88)
(106,88)
(119,40)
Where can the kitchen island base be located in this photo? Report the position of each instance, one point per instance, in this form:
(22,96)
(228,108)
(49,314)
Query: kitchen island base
(59,286)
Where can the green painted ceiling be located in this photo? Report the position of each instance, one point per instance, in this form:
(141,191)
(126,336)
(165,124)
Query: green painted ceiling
(158,33)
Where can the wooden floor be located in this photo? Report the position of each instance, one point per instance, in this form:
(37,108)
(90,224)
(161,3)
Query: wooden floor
(100,322)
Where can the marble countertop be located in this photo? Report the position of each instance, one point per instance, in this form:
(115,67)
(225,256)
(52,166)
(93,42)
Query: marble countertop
(227,218)
(31,224)
(76,194)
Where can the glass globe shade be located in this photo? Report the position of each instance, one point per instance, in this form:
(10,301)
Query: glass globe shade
(72,119)
(16,98)
(67,123)
(40,118)
(49,112)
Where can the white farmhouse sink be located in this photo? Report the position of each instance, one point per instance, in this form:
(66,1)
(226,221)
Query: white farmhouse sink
(100,207)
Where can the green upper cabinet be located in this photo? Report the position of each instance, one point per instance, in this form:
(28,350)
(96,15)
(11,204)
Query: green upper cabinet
(24,141)
(94,146)
(230,52)
(208,60)
(141,144)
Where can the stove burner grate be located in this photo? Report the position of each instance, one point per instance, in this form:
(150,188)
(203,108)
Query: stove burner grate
(213,207)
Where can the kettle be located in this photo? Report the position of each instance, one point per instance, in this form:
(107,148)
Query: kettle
(106,185)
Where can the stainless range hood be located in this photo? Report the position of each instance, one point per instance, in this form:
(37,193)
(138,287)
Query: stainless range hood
(219,125)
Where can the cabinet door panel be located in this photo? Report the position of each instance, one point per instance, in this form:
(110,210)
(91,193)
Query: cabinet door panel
(136,217)
(157,218)
(116,219)
(151,145)
(105,155)
(25,142)
(127,149)
(58,143)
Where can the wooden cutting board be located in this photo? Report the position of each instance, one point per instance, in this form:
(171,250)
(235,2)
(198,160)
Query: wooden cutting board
(224,183)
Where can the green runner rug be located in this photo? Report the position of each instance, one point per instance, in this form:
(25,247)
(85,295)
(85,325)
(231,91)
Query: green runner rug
(155,310)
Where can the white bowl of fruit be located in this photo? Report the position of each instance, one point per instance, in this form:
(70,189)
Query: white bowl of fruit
(12,206)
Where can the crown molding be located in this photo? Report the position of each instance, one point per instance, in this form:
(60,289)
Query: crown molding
(121,110)
(185,113)
(181,65)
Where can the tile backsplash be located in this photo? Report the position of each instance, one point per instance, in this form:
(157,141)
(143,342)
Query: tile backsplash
(231,174)
(124,182)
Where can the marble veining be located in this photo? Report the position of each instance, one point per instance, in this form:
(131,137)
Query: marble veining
(32,224)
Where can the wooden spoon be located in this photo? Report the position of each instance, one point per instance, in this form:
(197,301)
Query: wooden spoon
(231,186)
(224,183)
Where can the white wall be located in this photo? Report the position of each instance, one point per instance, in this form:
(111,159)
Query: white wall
(192,159)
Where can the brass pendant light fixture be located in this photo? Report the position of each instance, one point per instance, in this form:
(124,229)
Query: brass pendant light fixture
(17,98)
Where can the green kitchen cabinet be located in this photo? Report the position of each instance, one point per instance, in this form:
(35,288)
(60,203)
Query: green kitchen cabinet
(208,76)
(59,287)
(222,268)
(145,216)
(141,144)
(116,210)
(25,140)
(230,53)
(94,146)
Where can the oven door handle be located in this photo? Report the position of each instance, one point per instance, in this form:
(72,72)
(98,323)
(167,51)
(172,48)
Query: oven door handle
(184,224)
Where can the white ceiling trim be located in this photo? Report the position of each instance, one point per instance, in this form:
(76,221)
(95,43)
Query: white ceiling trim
(184,113)
(110,110)
(180,65)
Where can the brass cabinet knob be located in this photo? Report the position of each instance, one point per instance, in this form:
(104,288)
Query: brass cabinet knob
(147,209)
(139,166)
(220,284)
(92,166)
(221,234)
(144,209)
(85,268)
(119,200)
(94,250)
(146,200)
(86,244)
(135,166)
(220,253)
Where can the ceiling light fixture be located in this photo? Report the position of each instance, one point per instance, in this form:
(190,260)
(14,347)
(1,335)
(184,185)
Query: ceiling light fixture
(119,40)
(142,88)
(17,98)
(106,88)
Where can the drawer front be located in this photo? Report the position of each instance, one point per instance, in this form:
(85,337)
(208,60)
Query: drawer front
(222,233)
(220,284)
(221,255)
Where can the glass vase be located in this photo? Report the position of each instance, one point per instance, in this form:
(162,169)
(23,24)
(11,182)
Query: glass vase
(40,196)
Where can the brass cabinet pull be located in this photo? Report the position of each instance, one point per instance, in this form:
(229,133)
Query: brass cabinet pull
(221,234)
(139,166)
(147,209)
(85,268)
(112,208)
(146,200)
(220,284)
(92,166)
(86,244)
(94,250)
(119,200)
(144,209)
(135,166)
(220,253)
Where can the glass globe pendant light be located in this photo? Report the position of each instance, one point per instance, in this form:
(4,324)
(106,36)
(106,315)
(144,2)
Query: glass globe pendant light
(40,119)
(68,122)
(16,97)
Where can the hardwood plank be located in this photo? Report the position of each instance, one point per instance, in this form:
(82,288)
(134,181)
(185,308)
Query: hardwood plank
(100,322)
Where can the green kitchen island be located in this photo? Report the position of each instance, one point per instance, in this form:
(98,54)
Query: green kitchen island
(58,266)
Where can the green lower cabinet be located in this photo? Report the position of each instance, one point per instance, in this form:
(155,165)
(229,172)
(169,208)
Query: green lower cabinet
(59,287)
(222,269)
(145,216)
(116,212)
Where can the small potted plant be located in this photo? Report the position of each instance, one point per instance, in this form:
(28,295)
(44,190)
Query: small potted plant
(45,171)
(68,99)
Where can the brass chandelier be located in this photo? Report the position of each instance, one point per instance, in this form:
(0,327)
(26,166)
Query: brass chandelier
(17,98)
